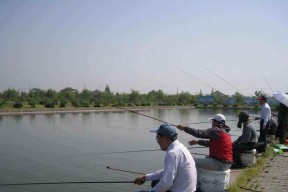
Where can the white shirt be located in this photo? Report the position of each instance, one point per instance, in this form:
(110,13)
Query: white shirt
(179,173)
(265,113)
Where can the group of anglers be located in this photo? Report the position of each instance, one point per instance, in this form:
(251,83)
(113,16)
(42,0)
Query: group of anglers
(180,168)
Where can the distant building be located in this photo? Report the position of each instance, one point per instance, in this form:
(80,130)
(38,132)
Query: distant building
(208,99)
(250,101)
(35,90)
(69,89)
(230,101)
(96,93)
(219,94)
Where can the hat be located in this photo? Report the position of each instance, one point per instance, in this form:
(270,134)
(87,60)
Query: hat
(165,129)
(219,117)
(262,97)
(243,114)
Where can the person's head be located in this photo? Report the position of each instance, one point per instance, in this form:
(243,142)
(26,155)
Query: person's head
(166,134)
(218,120)
(262,99)
(243,118)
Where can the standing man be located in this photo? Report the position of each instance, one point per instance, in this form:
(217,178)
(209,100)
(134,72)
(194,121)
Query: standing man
(265,116)
(179,173)
(247,141)
(219,142)
(282,123)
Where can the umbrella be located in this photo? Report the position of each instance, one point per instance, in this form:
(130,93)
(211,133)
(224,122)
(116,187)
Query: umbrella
(281,97)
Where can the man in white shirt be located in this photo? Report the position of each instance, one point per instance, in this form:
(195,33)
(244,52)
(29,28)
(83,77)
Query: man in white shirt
(265,116)
(179,173)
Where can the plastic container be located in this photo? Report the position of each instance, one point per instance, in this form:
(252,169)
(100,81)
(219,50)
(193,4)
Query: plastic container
(248,158)
(213,181)
(270,138)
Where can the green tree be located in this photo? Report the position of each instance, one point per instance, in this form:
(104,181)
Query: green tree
(134,96)
(51,94)
(107,89)
(239,98)
(10,95)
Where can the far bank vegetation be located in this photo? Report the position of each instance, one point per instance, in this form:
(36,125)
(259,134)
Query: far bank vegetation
(72,98)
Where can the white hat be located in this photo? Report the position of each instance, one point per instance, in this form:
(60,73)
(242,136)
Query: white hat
(219,117)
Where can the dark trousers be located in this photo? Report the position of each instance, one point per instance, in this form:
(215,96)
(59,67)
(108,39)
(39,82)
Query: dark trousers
(238,148)
(263,131)
(154,182)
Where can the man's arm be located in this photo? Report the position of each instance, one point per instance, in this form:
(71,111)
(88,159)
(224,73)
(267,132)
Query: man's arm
(168,174)
(202,133)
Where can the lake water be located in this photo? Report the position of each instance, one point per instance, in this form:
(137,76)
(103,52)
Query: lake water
(68,147)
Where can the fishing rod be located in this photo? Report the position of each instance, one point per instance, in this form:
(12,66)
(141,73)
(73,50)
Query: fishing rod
(146,116)
(265,79)
(134,151)
(221,78)
(198,154)
(132,111)
(108,167)
(60,183)
(193,77)
(203,122)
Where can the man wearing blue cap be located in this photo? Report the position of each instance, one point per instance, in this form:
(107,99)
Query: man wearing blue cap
(179,173)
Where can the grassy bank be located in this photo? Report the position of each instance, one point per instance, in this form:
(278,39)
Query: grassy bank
(241,183)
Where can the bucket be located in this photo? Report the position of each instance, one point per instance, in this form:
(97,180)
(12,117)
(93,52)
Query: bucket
(213,181)
(270,138)
(248,158)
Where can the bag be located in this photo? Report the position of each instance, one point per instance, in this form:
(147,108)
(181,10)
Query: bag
(260,147)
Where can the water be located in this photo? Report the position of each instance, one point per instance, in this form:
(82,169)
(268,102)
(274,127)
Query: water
(67,147)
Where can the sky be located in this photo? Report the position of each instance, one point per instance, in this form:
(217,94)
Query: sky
(145,45)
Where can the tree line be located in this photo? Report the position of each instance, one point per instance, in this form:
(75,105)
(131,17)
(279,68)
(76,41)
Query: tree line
(69,97)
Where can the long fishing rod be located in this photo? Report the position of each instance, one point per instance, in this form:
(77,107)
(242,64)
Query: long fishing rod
(108,167)
(132,111)
(221,78)
(198,154)
(203,122)
(193,77)
(60,183)
(265,79)
(146,116)
(135,151)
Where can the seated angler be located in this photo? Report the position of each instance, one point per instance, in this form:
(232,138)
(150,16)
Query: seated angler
(179,172)
(247,141)
(219,142)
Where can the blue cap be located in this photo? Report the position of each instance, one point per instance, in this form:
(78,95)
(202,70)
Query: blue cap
(165,129)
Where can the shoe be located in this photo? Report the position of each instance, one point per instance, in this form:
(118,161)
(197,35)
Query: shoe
(237,166)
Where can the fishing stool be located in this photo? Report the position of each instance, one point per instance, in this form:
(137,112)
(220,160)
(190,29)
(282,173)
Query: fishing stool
(213,181)
(270,138)
(248,158)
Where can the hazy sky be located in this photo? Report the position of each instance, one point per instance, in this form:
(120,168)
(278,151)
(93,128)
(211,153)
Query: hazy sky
(145,45)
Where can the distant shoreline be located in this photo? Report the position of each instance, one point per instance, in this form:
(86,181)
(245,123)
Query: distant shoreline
(13,112)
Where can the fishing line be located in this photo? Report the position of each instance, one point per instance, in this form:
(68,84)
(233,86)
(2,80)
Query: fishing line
(133,151)
(193,77)
(265,79)
(221,78)
(58,183)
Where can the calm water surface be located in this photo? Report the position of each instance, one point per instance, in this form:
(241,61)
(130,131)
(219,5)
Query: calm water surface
(68,147)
